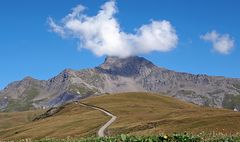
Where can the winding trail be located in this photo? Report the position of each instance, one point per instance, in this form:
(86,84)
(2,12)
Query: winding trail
(101,131)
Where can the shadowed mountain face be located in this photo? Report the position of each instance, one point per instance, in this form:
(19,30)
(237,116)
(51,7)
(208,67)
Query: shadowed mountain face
(129,67)
(132,74)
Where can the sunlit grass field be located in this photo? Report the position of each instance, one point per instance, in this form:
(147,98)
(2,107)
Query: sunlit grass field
(138,114)
(148,114)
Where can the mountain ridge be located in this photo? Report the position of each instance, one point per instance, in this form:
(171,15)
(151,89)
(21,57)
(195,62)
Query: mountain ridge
(132,74)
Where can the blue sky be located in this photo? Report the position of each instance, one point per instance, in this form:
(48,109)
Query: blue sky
(29,48)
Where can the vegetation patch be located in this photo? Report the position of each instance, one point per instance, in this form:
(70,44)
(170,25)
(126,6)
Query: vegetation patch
(81,90)
(237,86)
(186,92)
(154,138)
(24,103)
(218,91)
(230,101)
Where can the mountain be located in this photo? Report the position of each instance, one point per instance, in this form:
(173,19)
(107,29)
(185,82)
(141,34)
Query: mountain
(132,74)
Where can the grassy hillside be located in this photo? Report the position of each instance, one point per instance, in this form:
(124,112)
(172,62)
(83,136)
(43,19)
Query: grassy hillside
(138,114)
(73,120)
(12,119)
(147,114)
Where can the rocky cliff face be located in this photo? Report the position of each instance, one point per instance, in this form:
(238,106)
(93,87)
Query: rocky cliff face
(120,75)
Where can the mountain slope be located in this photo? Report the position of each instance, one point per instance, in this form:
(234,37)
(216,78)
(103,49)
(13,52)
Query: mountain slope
(30,93)
(150,113)
(198,89)
(120,75)
(137,114)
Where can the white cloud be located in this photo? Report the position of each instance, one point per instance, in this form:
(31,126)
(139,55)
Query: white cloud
(56,28)
(102,33)
(222,43)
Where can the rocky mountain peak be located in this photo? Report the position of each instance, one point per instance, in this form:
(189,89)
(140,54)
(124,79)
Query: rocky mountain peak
(125,66)
(67,73)
(27,78)
(64,76)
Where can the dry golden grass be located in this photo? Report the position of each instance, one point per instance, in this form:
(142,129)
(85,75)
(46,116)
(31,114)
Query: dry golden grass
(11,119)
(148,114)
(74,121)
(138,114)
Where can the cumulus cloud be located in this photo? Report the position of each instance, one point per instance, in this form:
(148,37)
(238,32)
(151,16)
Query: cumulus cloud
(102,33)
(222,43)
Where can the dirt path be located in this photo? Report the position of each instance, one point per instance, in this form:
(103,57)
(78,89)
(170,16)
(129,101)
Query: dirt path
(101,131)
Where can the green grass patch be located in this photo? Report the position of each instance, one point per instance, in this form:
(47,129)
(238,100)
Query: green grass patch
(24,103)
(230,101)
(236,85)
(155,138)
